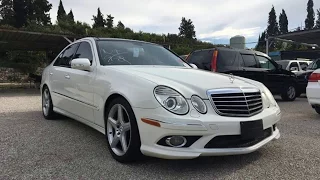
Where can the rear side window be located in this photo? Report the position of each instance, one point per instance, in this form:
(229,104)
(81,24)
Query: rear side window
(249,60)
(202,59)
(294,64)
(66,56)
(303,65)
(227,58)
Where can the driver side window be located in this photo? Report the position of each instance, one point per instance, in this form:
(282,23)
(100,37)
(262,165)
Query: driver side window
(265,63)
(84,51)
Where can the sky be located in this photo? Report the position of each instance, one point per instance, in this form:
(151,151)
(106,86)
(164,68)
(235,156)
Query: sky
(215,21)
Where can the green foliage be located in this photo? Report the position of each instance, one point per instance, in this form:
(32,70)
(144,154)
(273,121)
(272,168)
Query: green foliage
(61,13)
(273,27)
(70,17)
(6,12)
(20,13)
(309,22)
(318,20)
(186,29)
(99,21)
(120,25)
(283,22)
(109,23)
(261,45)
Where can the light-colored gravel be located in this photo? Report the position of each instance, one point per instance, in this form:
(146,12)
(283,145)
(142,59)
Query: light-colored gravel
(34,148)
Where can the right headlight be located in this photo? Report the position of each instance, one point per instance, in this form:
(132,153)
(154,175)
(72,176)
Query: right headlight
(270,97)
(171,100)
(199,104)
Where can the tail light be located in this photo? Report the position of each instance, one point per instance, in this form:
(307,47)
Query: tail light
(214,61)
(314,77)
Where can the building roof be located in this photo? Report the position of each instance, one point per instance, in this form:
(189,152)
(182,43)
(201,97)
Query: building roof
(33,41)
(305,36)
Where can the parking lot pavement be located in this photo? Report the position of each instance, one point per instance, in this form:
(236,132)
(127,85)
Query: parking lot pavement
(32,147)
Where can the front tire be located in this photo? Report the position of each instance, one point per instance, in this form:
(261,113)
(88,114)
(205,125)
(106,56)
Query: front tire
(47,106)
(317,109)
(122,131)
(289,93)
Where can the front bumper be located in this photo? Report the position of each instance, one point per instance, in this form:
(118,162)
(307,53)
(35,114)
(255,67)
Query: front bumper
(313,93)
(193,124)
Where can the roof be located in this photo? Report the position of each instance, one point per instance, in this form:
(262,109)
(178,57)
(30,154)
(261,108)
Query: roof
(32,41)
(305,36)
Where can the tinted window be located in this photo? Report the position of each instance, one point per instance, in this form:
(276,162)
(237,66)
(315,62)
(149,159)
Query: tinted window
(294,64)
(265,63)
(249,60)
(66,56)
(284,64)
(202,59)
(84,51)
(135,53)
(303,65)
(227,58)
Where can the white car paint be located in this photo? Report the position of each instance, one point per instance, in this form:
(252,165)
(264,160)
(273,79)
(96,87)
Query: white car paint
(82,95)
(313,91)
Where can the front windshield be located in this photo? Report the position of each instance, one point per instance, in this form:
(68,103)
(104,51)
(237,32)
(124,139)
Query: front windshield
(119,52)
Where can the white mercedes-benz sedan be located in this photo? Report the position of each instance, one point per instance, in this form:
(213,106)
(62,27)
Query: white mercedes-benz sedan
(313,90)
(148,101)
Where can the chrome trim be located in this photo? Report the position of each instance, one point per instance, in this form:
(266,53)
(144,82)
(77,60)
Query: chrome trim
(236,90)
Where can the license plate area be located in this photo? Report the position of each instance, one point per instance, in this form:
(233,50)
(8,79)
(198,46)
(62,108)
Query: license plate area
(251,129)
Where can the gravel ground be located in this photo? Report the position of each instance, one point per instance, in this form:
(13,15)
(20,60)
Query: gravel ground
(34,148)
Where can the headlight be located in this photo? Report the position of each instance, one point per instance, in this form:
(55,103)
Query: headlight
(171,100)
(265,100)
(199,104)
(270,97)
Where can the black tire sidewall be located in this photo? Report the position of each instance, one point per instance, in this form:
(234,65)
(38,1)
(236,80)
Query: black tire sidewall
(284,94)
(133,153)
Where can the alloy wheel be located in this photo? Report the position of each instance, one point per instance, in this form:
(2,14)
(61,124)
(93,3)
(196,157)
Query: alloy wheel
(46,102)
(119,129)
(291,92)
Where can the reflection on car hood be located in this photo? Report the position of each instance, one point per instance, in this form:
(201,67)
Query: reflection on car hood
(187,80)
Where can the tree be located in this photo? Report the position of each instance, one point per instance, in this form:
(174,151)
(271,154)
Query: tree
(6,12)
(318,20)
(20,13)
(109,21)
(61,13)
(261,45)
(120,25)
(99,21)
(273,27)
(70,16)
(309,22)
(186,29)
(283,22)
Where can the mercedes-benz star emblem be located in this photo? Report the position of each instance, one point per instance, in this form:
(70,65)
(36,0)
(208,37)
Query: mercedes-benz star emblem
(231,77)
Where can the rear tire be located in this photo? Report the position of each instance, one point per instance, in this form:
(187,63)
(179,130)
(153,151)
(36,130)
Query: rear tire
(317,110)
(47,106)
(122,131)
(289,93)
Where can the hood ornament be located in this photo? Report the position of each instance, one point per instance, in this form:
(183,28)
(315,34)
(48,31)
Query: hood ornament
(231,77)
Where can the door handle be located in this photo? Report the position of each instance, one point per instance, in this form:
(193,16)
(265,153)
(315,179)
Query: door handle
(67,76)
(51,74)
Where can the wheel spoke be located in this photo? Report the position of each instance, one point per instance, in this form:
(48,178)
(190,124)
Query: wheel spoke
(112,122)
(120,115)
(126,127)
(124,141)
(115,141)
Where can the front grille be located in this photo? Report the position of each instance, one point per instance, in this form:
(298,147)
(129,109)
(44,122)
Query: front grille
(236,101)
(236,141)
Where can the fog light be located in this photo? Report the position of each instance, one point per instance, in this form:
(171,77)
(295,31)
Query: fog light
(176,141)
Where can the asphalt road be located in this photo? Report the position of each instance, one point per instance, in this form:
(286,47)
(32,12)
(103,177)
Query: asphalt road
(33,148)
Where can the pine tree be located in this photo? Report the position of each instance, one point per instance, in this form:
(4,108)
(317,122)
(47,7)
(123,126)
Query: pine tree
(61,12)
(6,12)
(120,25)
(318,20)
(186,29)
(109,21)
(283,22)
(20,13)
(273,27)
(99,21)
(41,13)
(70,16)
(309,22)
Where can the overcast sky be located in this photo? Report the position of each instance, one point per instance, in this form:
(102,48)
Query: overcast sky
(215,20)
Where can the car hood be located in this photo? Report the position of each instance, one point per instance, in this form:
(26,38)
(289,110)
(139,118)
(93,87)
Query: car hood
(187,81)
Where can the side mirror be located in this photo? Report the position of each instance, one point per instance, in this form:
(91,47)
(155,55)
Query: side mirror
(81,64)
(194,66)
(279,66)
(293,69)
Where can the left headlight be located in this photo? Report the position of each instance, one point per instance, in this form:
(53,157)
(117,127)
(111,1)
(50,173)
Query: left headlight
(270,97)
(199,104)
(171,100)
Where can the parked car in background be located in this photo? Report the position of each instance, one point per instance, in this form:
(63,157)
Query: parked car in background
(303,76)
(249,64)
(313,90)
(147,100)
(294,66)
